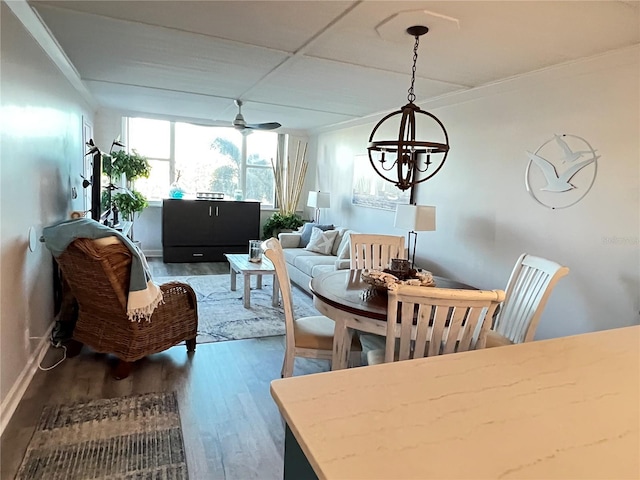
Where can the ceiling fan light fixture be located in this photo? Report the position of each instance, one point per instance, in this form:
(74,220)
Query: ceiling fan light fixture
(401,160)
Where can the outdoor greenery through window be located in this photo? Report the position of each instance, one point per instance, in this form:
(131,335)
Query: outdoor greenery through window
(204,159)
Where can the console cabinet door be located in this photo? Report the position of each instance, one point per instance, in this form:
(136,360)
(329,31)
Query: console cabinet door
(187,222)
(235,223)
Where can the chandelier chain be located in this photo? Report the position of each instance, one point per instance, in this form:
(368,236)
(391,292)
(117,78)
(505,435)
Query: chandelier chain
(411,96)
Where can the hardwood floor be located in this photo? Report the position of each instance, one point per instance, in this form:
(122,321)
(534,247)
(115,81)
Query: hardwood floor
(161,269)
(232,428)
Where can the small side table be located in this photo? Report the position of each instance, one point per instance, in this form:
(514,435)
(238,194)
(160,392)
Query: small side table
(239,263)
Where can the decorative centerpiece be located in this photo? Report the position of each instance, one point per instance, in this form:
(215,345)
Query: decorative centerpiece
(386,280)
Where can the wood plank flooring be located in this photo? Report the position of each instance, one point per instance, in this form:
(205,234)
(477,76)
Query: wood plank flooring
(161,269)
(232,428)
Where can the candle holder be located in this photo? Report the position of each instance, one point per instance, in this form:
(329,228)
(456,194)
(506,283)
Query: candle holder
(255,251)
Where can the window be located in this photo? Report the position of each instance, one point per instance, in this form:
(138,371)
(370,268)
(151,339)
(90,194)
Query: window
(204,159)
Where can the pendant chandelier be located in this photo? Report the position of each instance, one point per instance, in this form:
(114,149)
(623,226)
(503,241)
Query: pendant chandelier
(407,161)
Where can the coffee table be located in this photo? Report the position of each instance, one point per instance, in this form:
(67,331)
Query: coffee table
(239,263)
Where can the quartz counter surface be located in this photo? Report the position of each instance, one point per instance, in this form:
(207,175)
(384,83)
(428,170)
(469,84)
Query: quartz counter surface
(561,408)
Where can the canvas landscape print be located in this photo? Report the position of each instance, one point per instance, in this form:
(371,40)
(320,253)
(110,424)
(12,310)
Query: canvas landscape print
(370,190)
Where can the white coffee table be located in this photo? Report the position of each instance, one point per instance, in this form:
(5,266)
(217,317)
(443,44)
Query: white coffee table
(239,263)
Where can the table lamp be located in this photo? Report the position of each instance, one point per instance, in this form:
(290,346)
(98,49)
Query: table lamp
(318,200)
(415,218)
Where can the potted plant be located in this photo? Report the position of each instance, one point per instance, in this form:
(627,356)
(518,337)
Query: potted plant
(279,222)
(132,166)
(126,201)
(288,189)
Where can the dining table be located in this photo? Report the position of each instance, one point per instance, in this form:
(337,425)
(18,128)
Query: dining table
(353,304)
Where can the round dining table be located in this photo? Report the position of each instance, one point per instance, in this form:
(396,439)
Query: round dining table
(353,304)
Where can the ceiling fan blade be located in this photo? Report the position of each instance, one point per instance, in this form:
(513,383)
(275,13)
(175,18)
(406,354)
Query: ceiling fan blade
(264,126)
(240,124)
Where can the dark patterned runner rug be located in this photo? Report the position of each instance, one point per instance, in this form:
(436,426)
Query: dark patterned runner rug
(125,438)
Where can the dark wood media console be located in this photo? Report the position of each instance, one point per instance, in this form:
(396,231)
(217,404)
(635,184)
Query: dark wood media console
(204,230)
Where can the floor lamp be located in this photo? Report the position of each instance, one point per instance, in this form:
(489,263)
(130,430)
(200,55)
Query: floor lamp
(318,200)
(415,218)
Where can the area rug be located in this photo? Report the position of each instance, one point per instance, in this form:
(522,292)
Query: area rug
(122,438)
(221,315)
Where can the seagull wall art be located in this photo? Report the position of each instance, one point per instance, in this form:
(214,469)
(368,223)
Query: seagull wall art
(570,155)
(555,182)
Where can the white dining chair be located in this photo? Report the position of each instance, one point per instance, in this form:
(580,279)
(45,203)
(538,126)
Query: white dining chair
(530,285)
(309,337)
(427,321)
(375,251)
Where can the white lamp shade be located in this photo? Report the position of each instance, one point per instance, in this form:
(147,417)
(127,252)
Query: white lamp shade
(416,218)
(319,200)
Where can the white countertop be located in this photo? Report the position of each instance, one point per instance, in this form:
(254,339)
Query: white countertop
(561,408)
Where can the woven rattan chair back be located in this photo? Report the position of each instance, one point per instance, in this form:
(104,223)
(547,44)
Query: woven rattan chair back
(98,278)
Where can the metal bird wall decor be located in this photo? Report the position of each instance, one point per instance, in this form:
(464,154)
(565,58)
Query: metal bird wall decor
(556,165)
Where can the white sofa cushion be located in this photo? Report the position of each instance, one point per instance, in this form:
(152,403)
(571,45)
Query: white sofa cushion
(306,263)
(290,254)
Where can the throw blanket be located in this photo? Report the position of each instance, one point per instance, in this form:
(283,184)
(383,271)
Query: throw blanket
(144,295)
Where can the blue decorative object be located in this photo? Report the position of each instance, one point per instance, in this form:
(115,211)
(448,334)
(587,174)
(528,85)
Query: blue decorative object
(176,191)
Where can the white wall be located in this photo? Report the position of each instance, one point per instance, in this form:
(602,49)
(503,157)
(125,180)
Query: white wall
(41,160)
(486,218)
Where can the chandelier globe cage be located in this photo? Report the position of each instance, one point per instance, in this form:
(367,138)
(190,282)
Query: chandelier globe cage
(406,160)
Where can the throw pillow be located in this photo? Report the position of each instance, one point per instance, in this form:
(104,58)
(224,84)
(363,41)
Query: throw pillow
(321,241)
(305,236)
(344,252)
(336,244)
(344,241)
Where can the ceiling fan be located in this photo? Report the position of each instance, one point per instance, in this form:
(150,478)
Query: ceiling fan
(240,124)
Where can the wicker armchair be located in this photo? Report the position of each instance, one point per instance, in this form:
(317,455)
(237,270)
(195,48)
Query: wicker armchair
(98,277)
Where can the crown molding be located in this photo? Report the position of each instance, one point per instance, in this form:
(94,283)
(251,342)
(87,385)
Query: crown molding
(41,34)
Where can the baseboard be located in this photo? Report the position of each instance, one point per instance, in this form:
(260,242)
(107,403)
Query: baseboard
(11,401)
(152,253)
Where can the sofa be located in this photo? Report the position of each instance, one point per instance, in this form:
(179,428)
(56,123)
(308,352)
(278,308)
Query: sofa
(303,265)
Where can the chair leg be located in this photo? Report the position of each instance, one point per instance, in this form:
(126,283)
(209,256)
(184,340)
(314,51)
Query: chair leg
(287,366)
(122,370)
(191,345)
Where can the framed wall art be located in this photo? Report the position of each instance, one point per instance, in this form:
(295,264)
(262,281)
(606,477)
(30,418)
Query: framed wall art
(370,190)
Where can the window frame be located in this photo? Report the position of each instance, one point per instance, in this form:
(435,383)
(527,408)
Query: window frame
(242,177)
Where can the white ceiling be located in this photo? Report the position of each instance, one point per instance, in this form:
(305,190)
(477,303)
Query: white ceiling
(308,64)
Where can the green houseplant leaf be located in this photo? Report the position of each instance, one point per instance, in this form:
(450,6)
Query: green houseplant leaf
(128,204)
(132,165)
(278,222)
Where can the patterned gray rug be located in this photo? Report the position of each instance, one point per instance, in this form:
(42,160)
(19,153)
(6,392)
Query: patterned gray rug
(221,315)
(122,438)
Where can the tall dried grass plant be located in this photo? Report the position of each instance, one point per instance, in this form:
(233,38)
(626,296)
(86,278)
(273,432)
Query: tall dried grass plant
(289,180)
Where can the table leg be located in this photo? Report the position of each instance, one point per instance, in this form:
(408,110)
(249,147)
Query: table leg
(247,290)
(342,337)
(232,274)
(259,281)
(275,300)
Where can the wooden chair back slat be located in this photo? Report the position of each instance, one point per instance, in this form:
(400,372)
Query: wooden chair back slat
(375,251)
(434,321)
(530,285)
